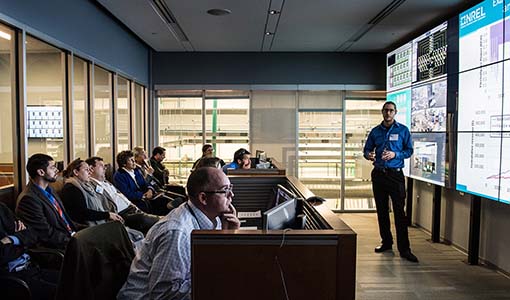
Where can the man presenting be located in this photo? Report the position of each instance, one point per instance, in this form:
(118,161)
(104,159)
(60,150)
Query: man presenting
(388,144)
(161,268)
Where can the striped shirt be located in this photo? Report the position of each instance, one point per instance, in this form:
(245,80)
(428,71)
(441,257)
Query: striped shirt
(162,266)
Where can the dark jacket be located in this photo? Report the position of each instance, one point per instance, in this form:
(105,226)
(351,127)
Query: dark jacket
(123,181)
(160,171)
(76,204)
(9,252)
(96,263)
(37,212)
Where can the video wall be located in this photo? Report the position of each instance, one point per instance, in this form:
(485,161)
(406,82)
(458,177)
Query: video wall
(417,83)
(423,81)
(483,165)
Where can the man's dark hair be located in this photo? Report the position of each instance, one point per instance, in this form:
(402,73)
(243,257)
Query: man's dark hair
(205,147)
(123,157)
(198,181)
(74,165)
(91,161)
(36,162)
(389,102)
(158,150)
(239,154)
(213,162)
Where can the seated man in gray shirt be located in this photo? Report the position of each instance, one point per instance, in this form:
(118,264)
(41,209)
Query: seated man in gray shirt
(132,215)
(161,268)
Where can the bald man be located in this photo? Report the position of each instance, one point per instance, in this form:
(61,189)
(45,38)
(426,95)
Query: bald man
(161,269)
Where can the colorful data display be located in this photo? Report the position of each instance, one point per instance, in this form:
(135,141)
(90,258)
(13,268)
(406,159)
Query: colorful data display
(483,139)
(417,83)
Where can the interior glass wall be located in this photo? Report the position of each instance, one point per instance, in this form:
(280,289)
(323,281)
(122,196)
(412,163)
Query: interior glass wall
(273,126)
(180,132)
(102,105)
(80,109)
(362,114)
(6,113)
(44,90)
(122,109)
(227,122)
(138,116)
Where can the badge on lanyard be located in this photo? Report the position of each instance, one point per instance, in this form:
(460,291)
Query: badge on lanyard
(394,137)
(99,189)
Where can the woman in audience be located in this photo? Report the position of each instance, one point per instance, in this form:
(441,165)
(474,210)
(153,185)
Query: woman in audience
(84,204)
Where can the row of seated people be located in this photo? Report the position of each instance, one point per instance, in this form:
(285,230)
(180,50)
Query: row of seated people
(44,216)
(88,196)
(88,199)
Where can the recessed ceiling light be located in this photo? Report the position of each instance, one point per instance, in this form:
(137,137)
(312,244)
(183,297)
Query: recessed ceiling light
(219,11)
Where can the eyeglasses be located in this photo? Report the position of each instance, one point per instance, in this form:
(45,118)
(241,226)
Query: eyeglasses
(228,190)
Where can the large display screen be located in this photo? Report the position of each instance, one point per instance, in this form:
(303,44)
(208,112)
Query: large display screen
(416,82)
(45,122)
(483,139)
(482,36)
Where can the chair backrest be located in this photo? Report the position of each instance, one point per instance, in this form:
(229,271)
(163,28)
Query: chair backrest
(96,263)
(14,288)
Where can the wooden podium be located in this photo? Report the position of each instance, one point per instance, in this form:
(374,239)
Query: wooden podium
(316,263)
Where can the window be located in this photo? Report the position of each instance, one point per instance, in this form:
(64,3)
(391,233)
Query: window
(227,122)
(122,109)
(44,90)
(79,109)
(6,113)
(102,105)
(138,115)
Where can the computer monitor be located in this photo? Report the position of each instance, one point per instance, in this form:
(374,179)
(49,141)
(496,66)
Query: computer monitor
(261,155)
(282,195)
(280,217)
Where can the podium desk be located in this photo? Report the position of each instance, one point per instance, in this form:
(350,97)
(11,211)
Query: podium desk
(318,262)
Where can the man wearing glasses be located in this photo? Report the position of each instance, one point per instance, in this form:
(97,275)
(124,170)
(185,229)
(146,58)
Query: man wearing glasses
(387,145)
(161,268)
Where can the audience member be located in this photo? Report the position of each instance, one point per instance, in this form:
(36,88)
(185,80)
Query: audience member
(129,180)
(160,171)
(161,269)
(132,215)
(241,160)
(141,161)
(84,204)
(40,209)
(15,238)
(207,151)
(212,162)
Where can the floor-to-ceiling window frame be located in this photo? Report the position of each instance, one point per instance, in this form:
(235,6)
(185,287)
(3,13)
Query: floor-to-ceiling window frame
(122,114)
(9,120)
(48,96)
(188,119)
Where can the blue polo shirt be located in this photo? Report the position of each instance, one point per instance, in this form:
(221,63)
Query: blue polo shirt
(396,138)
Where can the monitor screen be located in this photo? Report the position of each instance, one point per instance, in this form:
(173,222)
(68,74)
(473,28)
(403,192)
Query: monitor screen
(282,195)
(261,155)
(45,122)
(280,217)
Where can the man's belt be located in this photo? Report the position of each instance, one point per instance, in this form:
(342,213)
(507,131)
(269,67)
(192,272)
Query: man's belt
(385,170)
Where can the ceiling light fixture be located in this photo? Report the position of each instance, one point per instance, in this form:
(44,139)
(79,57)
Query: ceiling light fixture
(219,11)
(5,35)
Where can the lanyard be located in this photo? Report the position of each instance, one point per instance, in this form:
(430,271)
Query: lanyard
(193,214)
